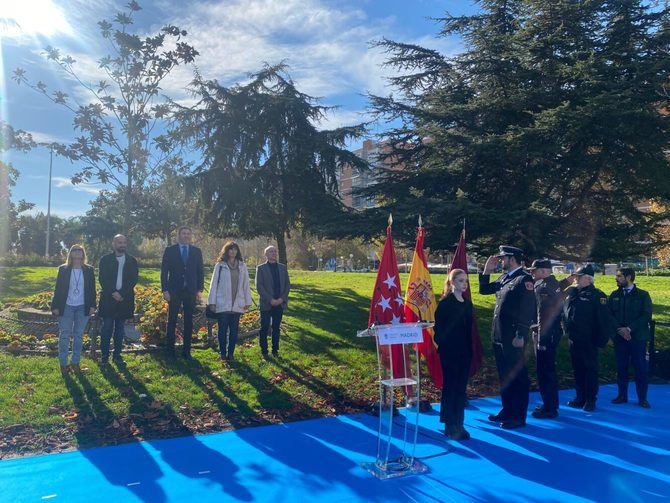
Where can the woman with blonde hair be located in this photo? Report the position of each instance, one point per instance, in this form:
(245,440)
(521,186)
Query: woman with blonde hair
(73,303)
(453,324)
(229,296)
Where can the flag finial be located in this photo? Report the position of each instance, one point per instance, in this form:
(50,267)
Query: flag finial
(390,219)
(420,221)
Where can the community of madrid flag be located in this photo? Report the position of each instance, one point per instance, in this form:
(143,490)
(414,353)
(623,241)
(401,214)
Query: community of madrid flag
(420,305)
(386,307)
(461,262)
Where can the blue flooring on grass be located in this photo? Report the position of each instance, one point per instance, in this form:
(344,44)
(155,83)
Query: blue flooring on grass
(618,453)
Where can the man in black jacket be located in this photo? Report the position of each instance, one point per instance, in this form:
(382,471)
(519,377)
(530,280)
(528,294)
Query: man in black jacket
(182,282)
(588,324)
(547,334)
(632,309)
(118,274)
(514,313)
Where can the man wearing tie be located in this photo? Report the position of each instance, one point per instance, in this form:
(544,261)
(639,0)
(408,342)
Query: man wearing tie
(182,282)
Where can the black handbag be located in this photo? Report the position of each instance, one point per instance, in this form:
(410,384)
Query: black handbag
(209,314)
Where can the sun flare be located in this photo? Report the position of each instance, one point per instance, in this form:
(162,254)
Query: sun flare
(31,17)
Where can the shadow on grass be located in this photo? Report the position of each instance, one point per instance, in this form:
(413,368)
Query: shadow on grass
(340,312)
(17,282)
(186,455)
(94,418)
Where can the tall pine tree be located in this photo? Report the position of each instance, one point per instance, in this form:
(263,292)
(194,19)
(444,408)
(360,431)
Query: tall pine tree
(545,132)
(267,169)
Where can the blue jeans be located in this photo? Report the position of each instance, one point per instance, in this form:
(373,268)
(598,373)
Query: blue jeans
(115,326)
(228,322)
(71,324)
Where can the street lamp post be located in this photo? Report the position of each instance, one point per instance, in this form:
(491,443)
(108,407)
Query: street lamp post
(48,233)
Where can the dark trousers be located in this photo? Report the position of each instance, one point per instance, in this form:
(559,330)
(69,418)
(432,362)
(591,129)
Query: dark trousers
(272,317)
(112,327)
(178,300)
(584,356)
(455,373)
(547,379)
(634,352)
(514,383)
(228,323)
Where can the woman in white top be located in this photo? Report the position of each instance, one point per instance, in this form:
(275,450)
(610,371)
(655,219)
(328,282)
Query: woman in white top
(73,302)
(229,296)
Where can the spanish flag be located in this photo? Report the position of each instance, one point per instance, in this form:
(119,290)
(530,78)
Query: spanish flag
(420,305)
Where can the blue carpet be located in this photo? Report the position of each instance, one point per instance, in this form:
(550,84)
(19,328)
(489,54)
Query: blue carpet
(618,453)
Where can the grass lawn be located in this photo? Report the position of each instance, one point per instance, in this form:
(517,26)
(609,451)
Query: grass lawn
(323,370)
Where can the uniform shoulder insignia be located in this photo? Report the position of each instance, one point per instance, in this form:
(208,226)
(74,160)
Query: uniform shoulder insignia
(529,285)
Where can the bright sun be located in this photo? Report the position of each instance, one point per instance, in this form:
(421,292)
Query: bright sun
(31,17)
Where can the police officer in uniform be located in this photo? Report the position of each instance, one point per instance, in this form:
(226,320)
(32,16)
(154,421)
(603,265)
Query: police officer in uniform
(514,313)
(632,309)
(549,295)
(589,326)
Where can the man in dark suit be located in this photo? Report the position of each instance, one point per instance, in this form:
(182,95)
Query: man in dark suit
(182,282)
(631,308)
(272,285)
(117,274)
(513,315)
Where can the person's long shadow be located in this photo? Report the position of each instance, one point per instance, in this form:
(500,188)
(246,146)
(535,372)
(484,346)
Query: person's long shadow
(585,470)
(237,411)
(122,465)
(317,466)
(187,454)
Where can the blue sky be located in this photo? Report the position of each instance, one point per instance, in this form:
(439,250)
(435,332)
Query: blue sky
(324,42)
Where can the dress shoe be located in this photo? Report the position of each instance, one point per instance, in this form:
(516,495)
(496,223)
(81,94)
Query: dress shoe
(589,406)
(187,357)
(459,434)
(497,418)
(265,355)
(620,399)
(644,404)
(544,414)
(118,360)
(275,353)
(576,404)
(75,367)
(539,407)
(512,424)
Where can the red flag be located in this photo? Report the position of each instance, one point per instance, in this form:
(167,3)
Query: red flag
(461,262)
(420,305)
(386,306)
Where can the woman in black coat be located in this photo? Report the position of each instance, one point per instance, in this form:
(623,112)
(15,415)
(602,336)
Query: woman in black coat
(73,303)
(453,324)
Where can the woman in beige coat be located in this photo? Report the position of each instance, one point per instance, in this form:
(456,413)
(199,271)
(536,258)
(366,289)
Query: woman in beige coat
(229,296)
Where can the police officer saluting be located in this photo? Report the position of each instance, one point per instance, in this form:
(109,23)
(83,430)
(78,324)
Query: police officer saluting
(631,308)
(514,313)
(589,325)
(547,334)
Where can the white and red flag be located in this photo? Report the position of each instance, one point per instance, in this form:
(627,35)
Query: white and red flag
(386,307)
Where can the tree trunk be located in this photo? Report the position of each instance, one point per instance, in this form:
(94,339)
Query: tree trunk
(281,248)
(128,202)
